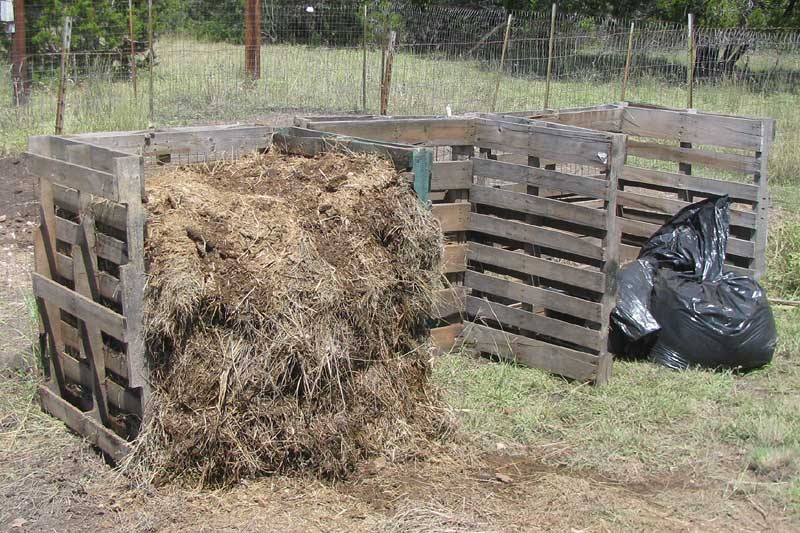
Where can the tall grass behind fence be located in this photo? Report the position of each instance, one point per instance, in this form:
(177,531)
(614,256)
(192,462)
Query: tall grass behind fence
(315,61)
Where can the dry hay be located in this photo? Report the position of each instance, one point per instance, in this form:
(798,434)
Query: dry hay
(285,318)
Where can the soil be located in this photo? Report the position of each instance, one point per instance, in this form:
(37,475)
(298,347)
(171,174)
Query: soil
(18,207)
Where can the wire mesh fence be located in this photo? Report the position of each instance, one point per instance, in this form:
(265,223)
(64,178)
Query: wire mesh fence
(331,58)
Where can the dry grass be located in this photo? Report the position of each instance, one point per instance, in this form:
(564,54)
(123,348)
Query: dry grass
(285,318)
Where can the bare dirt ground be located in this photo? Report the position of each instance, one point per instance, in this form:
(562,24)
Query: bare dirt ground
(50,480)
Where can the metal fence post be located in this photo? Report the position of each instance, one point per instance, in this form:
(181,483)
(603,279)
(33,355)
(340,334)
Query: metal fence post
(66,41)
(690,67)
(151,61)
(133,48)
(364,64)
(550,56)
(502,63)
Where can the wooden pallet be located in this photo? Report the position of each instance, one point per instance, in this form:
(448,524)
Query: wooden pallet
(89,259)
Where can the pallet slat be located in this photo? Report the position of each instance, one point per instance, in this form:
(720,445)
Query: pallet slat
(736,163)
(481,309)
(86,179)
(446,175)
(635,176)
(536,205)
(540,177)
(671,206)
(536,266)
(537,296)
(452,217)
(530,352)
(80,306)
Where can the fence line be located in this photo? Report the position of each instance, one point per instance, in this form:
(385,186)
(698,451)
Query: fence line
(329,59)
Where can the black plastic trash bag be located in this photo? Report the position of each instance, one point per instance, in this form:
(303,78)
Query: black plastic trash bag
(676,304)
(632,324)
(724,323)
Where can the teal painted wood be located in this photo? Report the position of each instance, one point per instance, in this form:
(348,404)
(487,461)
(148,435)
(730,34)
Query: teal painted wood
(421,165)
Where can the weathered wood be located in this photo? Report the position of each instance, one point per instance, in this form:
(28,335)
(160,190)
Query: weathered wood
(639,228)
(762,209)
(452,217)
(536,296)
(89,429)
(80,306)
(445,338)
(59,147)
(430,131)
(672,206)
(115,361)
(697,128)
(527,233)
(421,162)
(81,372)
(530,352)
(582,147)
(636,177)
(74,176)
(287,141)
(107,247)
(663,152)
(107,284)
(446,175)
(455,258)
(535,205)
(480,310)
(540,177)
(106,212)
(536,266)
(448,302)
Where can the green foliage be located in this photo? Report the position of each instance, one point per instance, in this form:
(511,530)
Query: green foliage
(783,276)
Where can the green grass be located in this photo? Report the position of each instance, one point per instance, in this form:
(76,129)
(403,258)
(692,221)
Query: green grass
(201,82)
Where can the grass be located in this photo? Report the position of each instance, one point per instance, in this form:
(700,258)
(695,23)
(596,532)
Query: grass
(649,421)
(196,82)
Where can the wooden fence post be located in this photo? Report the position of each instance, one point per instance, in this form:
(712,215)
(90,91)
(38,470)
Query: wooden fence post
(690,67)
(252,39)
(133,48)
(151,61)
(502,63)
(66,41)
(19,68)
(550,56)
(627,64)
(386,83)
(364,64)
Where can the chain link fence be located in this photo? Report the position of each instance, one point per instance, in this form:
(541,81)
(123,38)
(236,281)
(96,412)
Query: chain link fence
(332,58)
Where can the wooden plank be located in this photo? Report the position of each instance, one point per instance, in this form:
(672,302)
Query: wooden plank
(639,228)
(697,128)
(481,309)
(287,141)
(672,206)
(115,361)
(761,179)
(527,233)
(452,217)
(540,177)
(448,302)
(80,306)
(536,266)
(663,152)
(108,284)
(536,205)
(448,175)
(537,296)
(530,352)
(86,427)
(579,146)
(455,258)
(106,212)
(635,177)
(119,396)
(93,156)
(74,176)
(446,337)
(431,131)
(106,246)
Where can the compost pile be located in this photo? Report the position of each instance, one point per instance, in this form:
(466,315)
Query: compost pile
(285,318)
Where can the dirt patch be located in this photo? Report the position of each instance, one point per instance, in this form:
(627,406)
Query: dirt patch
(18,205)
